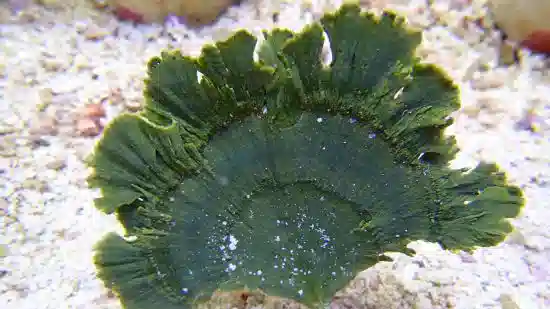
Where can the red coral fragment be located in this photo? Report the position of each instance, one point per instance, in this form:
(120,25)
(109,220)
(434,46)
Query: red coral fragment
(538,41)
(124,13)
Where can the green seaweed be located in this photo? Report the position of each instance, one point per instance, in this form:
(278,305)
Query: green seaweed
(285,174)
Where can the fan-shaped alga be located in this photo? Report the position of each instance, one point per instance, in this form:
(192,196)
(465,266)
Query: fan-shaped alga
(283,177)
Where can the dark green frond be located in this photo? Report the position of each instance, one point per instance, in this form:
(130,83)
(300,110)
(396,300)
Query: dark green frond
(285,174)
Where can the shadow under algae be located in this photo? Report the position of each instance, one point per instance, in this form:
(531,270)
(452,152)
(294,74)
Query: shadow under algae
(279,180)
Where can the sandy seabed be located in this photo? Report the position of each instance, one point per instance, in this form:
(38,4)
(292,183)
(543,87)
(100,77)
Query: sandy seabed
(54,61)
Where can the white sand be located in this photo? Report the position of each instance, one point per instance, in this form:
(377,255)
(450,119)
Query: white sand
(62,60)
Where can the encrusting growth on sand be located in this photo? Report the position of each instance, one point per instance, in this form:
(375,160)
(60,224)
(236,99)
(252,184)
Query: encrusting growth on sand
(284,174)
